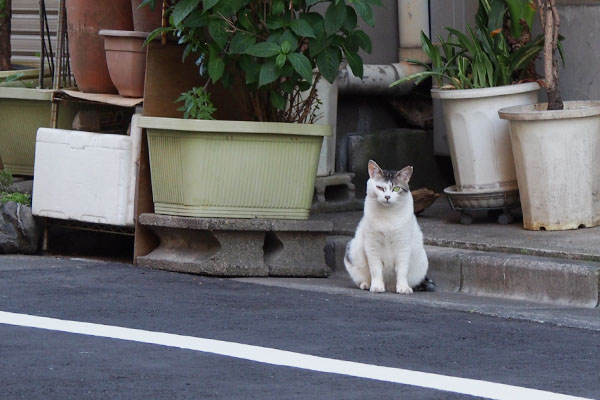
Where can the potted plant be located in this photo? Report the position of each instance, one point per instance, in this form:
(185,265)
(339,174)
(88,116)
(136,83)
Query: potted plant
(489,67)
(555,146)
(276,52)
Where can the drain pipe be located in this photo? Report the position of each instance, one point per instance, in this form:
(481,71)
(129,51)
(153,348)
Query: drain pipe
(413,17)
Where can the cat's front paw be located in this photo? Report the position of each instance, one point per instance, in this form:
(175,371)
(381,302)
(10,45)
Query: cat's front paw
(403,289)
(364,286)
(377,287)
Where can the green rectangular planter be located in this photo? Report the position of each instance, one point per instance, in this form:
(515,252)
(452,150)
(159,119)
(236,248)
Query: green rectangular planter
(22,112)
(233,169)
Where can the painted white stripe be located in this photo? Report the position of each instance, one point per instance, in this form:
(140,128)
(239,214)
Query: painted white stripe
(271,356)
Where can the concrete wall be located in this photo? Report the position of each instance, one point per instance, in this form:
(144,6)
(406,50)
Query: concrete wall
(580,25)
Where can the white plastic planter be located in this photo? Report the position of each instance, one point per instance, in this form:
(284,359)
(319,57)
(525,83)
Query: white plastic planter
(86,176)
(558,164)
(479,140)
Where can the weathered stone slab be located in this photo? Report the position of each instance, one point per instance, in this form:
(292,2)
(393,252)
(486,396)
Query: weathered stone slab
(237,247)
(19,231)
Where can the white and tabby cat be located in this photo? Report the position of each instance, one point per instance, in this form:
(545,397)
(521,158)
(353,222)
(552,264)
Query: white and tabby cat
(387,250)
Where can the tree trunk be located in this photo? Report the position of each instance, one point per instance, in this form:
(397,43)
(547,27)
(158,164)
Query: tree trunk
(5,15)
(550,64)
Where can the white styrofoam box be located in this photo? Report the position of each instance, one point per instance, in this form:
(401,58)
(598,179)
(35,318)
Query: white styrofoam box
(86,176)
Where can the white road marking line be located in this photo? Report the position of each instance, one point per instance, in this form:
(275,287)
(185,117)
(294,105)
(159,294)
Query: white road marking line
(271,356)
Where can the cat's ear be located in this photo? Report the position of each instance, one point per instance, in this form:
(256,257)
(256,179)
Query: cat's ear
(404,174)
(374,170)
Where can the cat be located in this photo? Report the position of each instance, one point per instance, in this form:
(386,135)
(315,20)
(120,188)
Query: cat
(387,251)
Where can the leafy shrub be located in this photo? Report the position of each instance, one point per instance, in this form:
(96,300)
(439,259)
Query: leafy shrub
(21,198)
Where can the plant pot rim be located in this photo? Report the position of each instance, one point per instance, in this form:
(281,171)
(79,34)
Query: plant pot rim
(27,72)
(450,94)
(129,34)
(217,126)
(25,93)
(538,112)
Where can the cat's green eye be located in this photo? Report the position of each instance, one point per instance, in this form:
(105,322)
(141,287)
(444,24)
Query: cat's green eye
(396,188)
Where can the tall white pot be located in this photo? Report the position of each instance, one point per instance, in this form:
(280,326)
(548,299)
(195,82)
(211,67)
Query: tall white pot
(557,156)
(479,140)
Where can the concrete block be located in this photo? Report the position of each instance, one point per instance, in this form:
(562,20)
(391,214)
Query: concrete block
(335,193)
(395,149)
(237,247)
(295,254)
(215,253)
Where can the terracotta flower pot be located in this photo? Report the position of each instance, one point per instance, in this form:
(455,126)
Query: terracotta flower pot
(145,19)
(126,59)
(88,60)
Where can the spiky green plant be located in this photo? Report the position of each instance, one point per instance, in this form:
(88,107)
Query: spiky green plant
(487,55)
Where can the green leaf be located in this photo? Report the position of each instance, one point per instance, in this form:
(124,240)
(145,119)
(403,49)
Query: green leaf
(365,11)
(355,62)
(155,34)
(182,9)
(216,67)
(274,22)
(268,73)
(286,47)
(302,28)
(328,62)
(311,2)
(241,42)
(250,67)
(351,19)
(149,3)
(197,19)
(277,7)
(277,100)
(302,65)
(317,23)
(287,86)
(280,60)
(316,46)
(228,8)
(364,41)
(14,77)
(335,16)
(217,29)
(264,49)
(208,4)
(351,43)
(288,36)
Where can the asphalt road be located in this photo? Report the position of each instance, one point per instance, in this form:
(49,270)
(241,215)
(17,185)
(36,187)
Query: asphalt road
(39,363)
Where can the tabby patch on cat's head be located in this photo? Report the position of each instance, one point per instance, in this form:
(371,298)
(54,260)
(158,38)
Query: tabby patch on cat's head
(388,186)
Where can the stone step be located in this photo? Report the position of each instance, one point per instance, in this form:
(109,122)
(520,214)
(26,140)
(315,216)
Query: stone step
(237,247)
(523,277)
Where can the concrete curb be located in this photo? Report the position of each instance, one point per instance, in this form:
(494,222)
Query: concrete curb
(522,277)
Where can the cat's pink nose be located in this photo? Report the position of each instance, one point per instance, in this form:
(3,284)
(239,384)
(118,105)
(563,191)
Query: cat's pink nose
(387,197)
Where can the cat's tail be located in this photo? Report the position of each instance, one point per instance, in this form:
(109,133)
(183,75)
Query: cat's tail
(356,265)
(428,285)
